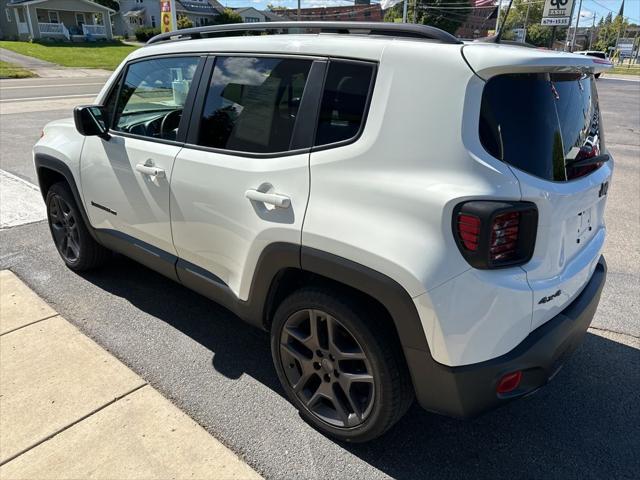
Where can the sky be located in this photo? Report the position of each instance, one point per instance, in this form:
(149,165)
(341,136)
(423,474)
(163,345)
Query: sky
(599,8)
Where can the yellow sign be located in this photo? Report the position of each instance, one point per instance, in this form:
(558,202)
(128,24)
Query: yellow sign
(167,16)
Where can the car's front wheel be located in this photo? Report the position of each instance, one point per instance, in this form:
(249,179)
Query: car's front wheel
(74,243)
(339,364)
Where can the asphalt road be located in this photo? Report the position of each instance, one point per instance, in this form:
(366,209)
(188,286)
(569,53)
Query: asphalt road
(585,424)
(33,103)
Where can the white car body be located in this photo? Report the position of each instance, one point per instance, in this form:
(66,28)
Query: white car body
(384,201)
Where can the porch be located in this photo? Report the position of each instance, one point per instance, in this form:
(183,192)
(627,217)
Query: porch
(73,20)
(75,25)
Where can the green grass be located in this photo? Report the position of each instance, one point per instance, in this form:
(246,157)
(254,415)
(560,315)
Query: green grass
(9,70)
(86,55)
(622,70)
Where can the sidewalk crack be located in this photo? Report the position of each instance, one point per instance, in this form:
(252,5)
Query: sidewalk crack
(75,422)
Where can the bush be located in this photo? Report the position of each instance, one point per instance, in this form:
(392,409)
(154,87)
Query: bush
(145,33)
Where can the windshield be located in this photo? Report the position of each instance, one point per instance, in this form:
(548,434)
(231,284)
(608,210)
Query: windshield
(541,123)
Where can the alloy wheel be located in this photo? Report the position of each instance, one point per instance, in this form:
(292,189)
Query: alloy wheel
(327,368)
(64,228)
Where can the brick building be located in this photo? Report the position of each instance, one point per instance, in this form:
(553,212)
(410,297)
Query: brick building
(476,25)
(360,12)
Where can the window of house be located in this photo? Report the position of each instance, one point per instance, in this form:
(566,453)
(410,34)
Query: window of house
(21,15)
(7,12)
(252,104)
(53,17)
(153,21)
(153,95)
(251,19)
(80,19)
(344,101)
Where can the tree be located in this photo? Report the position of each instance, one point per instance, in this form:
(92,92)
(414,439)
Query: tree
(112,4)
(184,22)
(609,31)
(537,34)
(447,15)
(228,16)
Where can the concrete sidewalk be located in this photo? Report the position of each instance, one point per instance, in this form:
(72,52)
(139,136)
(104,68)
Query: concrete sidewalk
(69,409)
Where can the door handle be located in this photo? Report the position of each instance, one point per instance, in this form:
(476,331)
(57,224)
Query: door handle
(147,169)
(275,199)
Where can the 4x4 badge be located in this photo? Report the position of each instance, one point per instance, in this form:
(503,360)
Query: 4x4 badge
(550,297)
(604,188)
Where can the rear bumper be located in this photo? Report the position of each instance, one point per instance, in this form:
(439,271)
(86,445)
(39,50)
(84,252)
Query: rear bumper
(471,389)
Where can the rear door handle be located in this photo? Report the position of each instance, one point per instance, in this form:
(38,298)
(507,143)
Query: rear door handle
(275,199)
(149,169)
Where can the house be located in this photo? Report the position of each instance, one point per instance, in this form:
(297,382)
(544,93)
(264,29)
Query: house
(74,20)
(135,14)
(251,15)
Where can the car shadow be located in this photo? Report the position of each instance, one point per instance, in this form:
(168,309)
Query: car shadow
(585,424)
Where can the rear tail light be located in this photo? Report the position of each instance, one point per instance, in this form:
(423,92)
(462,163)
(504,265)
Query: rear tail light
(509,382)
(495,234)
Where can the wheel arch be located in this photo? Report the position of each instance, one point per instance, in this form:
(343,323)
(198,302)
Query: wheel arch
(51,170)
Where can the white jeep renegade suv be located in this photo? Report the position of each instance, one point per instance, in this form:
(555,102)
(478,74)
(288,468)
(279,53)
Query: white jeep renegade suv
(407,214)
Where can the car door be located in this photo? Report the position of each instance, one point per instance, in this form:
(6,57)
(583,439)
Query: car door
(125,177)
(241,182)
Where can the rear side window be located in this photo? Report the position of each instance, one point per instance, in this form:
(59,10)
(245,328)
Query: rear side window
(344,101)
(540,123)
(252,103)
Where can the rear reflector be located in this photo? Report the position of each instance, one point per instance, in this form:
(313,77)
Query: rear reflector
(509,382)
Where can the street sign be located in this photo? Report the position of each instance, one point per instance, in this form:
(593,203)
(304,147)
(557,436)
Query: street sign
(168,21)
(625,47)
(557,12)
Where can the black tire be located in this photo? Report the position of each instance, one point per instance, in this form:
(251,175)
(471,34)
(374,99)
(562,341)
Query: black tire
(366,411)
(597,75)
(74,243)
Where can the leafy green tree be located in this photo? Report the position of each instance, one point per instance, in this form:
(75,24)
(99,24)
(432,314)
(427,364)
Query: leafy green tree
(184,22)
(609,30)
(537,34)
(112,4)
(445,14)
(228,16)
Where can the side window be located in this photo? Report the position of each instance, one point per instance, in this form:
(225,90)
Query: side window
(344,101)
(252,103)
(153,95)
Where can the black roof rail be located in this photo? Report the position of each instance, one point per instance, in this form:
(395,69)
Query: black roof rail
(363,28)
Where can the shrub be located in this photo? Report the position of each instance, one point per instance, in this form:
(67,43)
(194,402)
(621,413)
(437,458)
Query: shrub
(145,33)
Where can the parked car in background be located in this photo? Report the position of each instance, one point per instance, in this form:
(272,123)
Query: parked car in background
(596,54)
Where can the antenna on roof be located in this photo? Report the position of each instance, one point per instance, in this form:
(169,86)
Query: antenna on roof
(496,38)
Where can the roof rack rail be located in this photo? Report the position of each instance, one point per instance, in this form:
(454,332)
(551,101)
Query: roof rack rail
(361,28)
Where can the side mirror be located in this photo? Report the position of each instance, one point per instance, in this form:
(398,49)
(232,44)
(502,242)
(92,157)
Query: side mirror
(90,121)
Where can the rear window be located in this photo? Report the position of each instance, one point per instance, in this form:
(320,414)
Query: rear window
(540,123)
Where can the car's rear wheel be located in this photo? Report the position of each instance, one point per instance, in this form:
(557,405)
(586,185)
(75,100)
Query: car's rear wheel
(339,364)
(74,243)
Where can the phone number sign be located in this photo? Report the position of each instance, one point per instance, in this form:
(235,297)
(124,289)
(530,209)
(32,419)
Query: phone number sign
(557,12)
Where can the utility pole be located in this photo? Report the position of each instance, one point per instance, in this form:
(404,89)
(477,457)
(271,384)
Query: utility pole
(415,11)
(526,21)
(299,10)
(498,16)
(404,11)
(575,30)
(593,27)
